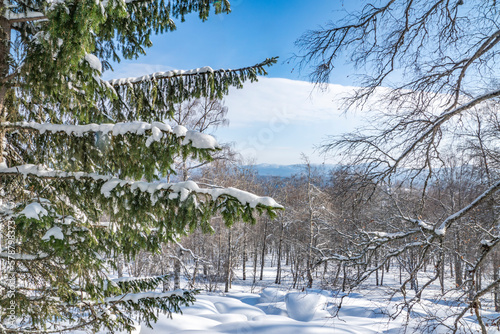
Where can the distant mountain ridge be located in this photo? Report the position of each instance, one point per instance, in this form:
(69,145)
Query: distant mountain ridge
(287,170)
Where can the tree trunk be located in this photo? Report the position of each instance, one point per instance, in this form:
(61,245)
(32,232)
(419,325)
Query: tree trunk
(382,271)
(195,272)
(344,279)
(177,269)
(337,274)
(244,256)
(278,269)
(309,258)
(228,263)
(119,265)
(496,294)
(458,262)
(479,277)
(441,273)
(255,261)
(4,69)
(263,253)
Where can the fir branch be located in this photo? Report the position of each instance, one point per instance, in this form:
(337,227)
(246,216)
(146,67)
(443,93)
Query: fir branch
(137,98)
(197,139)
(207,70)
(182,189)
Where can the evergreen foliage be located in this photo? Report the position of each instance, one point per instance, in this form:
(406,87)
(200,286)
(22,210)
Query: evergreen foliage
(75,148)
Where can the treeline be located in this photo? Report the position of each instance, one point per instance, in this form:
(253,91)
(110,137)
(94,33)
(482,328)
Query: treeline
(327,235)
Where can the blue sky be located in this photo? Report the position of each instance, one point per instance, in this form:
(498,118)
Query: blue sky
(255,30)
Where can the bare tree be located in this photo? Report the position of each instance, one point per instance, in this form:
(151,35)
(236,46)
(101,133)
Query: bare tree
(439,60)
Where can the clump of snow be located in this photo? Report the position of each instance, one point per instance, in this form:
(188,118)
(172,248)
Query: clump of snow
(245,197)
(180,131)
(108,186)
(303,306)
(55,232)
(200,140)
(156,135)
(94,62)
(34,211)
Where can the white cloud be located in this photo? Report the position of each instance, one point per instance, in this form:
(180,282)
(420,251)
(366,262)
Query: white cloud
(284,100)
(275,120)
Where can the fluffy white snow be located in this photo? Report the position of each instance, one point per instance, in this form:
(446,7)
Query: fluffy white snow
(34,210)
(218,314)
(197,139)
(94,62)
(302,306)
(55,232)
(251,314)
(278,309)
(200,140)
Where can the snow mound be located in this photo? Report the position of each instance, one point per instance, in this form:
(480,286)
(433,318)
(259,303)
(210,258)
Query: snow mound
(272,324)
(271,295)
(303,306)
(278,308)
(233,306)
(179,323)
(225,318)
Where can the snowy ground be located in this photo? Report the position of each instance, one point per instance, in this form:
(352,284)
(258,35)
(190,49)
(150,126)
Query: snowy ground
(272,312)
(268,308)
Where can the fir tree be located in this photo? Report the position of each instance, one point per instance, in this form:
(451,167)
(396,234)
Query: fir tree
(74,148)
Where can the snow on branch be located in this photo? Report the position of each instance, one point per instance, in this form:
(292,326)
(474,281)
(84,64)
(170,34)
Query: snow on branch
(197,139)
(190,73)
(162,75)
(180,189)
(23,257)
(27,16)
(24,17)
(136,297)
(441,230)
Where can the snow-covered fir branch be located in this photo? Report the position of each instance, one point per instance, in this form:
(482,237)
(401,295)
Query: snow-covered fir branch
(180,189)
(203,71)
(196,139)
